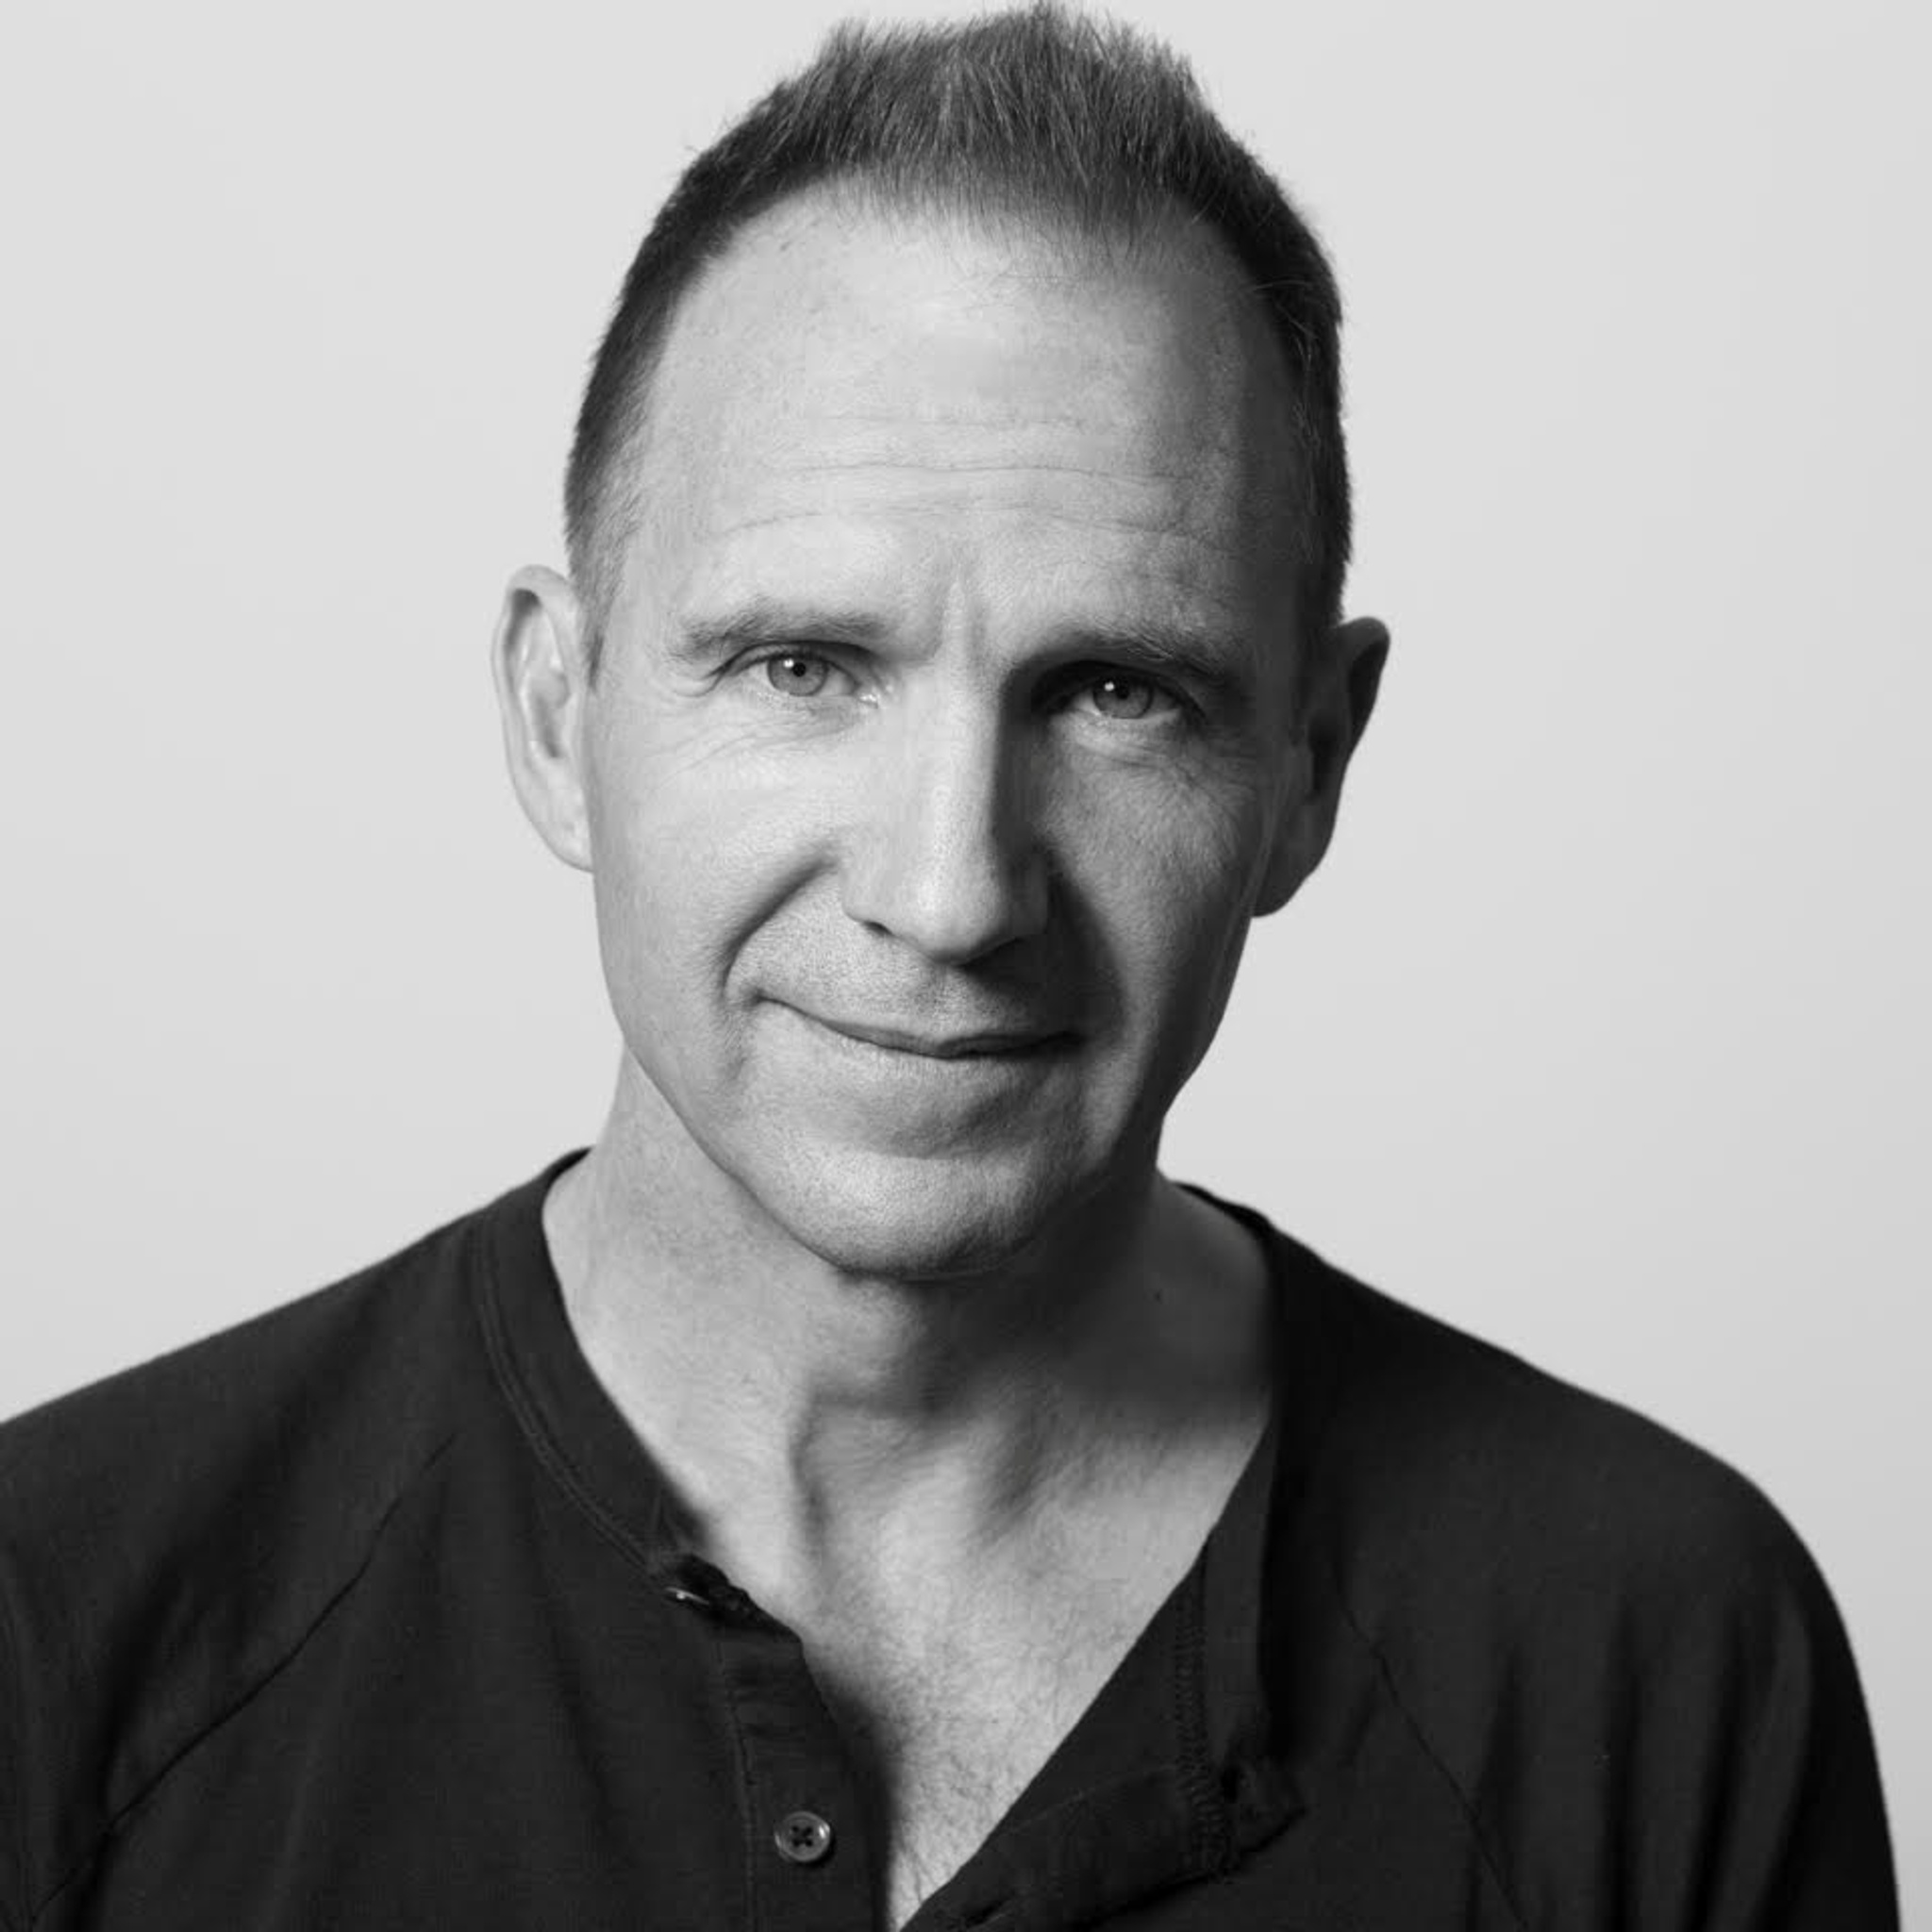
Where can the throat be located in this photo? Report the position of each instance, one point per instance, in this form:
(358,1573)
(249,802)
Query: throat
(954,1695)
(943,1750)
(951,1713)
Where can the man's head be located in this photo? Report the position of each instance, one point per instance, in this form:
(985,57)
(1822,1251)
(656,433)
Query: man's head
(956,704)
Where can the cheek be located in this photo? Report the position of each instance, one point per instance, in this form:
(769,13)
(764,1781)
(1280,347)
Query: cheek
(692,852)
(1170,871)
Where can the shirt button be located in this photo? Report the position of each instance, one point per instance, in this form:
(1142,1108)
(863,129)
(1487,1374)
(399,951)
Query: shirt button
(803,1837)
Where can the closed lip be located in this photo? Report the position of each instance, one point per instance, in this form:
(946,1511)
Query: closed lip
(947,1046)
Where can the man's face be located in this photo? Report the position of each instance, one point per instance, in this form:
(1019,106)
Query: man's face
(941,741)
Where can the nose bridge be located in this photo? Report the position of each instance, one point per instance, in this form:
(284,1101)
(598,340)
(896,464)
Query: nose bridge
(947,856)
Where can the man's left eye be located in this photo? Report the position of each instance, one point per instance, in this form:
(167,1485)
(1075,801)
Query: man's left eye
(800,674)
(1119,694)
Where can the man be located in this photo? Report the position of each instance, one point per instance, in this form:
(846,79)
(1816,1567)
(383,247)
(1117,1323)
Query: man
(860,1488)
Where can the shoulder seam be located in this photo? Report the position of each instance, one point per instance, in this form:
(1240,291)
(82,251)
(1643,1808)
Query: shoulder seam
(241,1704)
(1470,1817)
(1342,1319)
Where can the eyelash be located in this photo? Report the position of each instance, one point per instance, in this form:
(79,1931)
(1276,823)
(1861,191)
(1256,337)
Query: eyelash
(1077,679)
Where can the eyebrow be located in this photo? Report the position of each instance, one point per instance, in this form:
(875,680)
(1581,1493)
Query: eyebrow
(765,621)
(1217,661)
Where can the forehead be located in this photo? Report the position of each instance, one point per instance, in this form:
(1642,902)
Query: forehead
(884,399)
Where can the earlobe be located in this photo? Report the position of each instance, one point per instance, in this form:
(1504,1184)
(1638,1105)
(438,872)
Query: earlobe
(1337,710)
(538,664)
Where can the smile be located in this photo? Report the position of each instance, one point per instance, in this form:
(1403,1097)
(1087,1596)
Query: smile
(993,1044)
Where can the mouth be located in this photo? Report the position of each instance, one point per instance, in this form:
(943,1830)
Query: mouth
(994,1044)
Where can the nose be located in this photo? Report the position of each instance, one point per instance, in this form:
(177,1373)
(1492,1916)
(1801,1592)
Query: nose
(945,854)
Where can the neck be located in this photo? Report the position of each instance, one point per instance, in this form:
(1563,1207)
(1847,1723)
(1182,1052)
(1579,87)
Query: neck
(810,1421)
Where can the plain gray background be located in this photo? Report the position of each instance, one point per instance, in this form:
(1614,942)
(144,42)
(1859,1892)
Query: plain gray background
(1602,1033)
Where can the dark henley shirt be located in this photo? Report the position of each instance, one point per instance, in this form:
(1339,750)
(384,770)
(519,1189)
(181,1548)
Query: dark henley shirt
(369,1614)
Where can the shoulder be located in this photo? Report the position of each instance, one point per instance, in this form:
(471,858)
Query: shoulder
(1455,1461)
(341,1386)
(1582,1615)
(170,1536)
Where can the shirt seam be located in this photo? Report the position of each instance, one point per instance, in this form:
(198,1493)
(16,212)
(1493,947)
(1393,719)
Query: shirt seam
(550,1453)
(1209,1837)
(1343,1330)
(235,1710)
(12,1683)
(1471,1816)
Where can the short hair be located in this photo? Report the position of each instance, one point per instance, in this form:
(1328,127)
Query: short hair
(1080,121)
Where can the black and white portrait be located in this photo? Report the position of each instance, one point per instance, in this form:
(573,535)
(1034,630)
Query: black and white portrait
(966,970)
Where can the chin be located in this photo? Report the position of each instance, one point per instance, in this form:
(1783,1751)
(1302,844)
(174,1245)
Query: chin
(907,1218)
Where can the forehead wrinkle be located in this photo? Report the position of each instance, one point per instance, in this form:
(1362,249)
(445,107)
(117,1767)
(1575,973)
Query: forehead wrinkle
(1171,514)
(1242,554)
(829,437)
(1182,516)
(1107,475)
(1246,550)
(1196,488)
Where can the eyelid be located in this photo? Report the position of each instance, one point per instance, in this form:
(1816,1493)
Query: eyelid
(771,653)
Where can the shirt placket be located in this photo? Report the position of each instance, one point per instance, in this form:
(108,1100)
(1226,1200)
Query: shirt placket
(810,1866)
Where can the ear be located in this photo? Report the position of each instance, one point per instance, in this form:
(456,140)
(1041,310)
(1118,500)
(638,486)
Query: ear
(1335,712)
(542,682)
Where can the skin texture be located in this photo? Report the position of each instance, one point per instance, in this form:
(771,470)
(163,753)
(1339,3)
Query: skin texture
(944,745)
